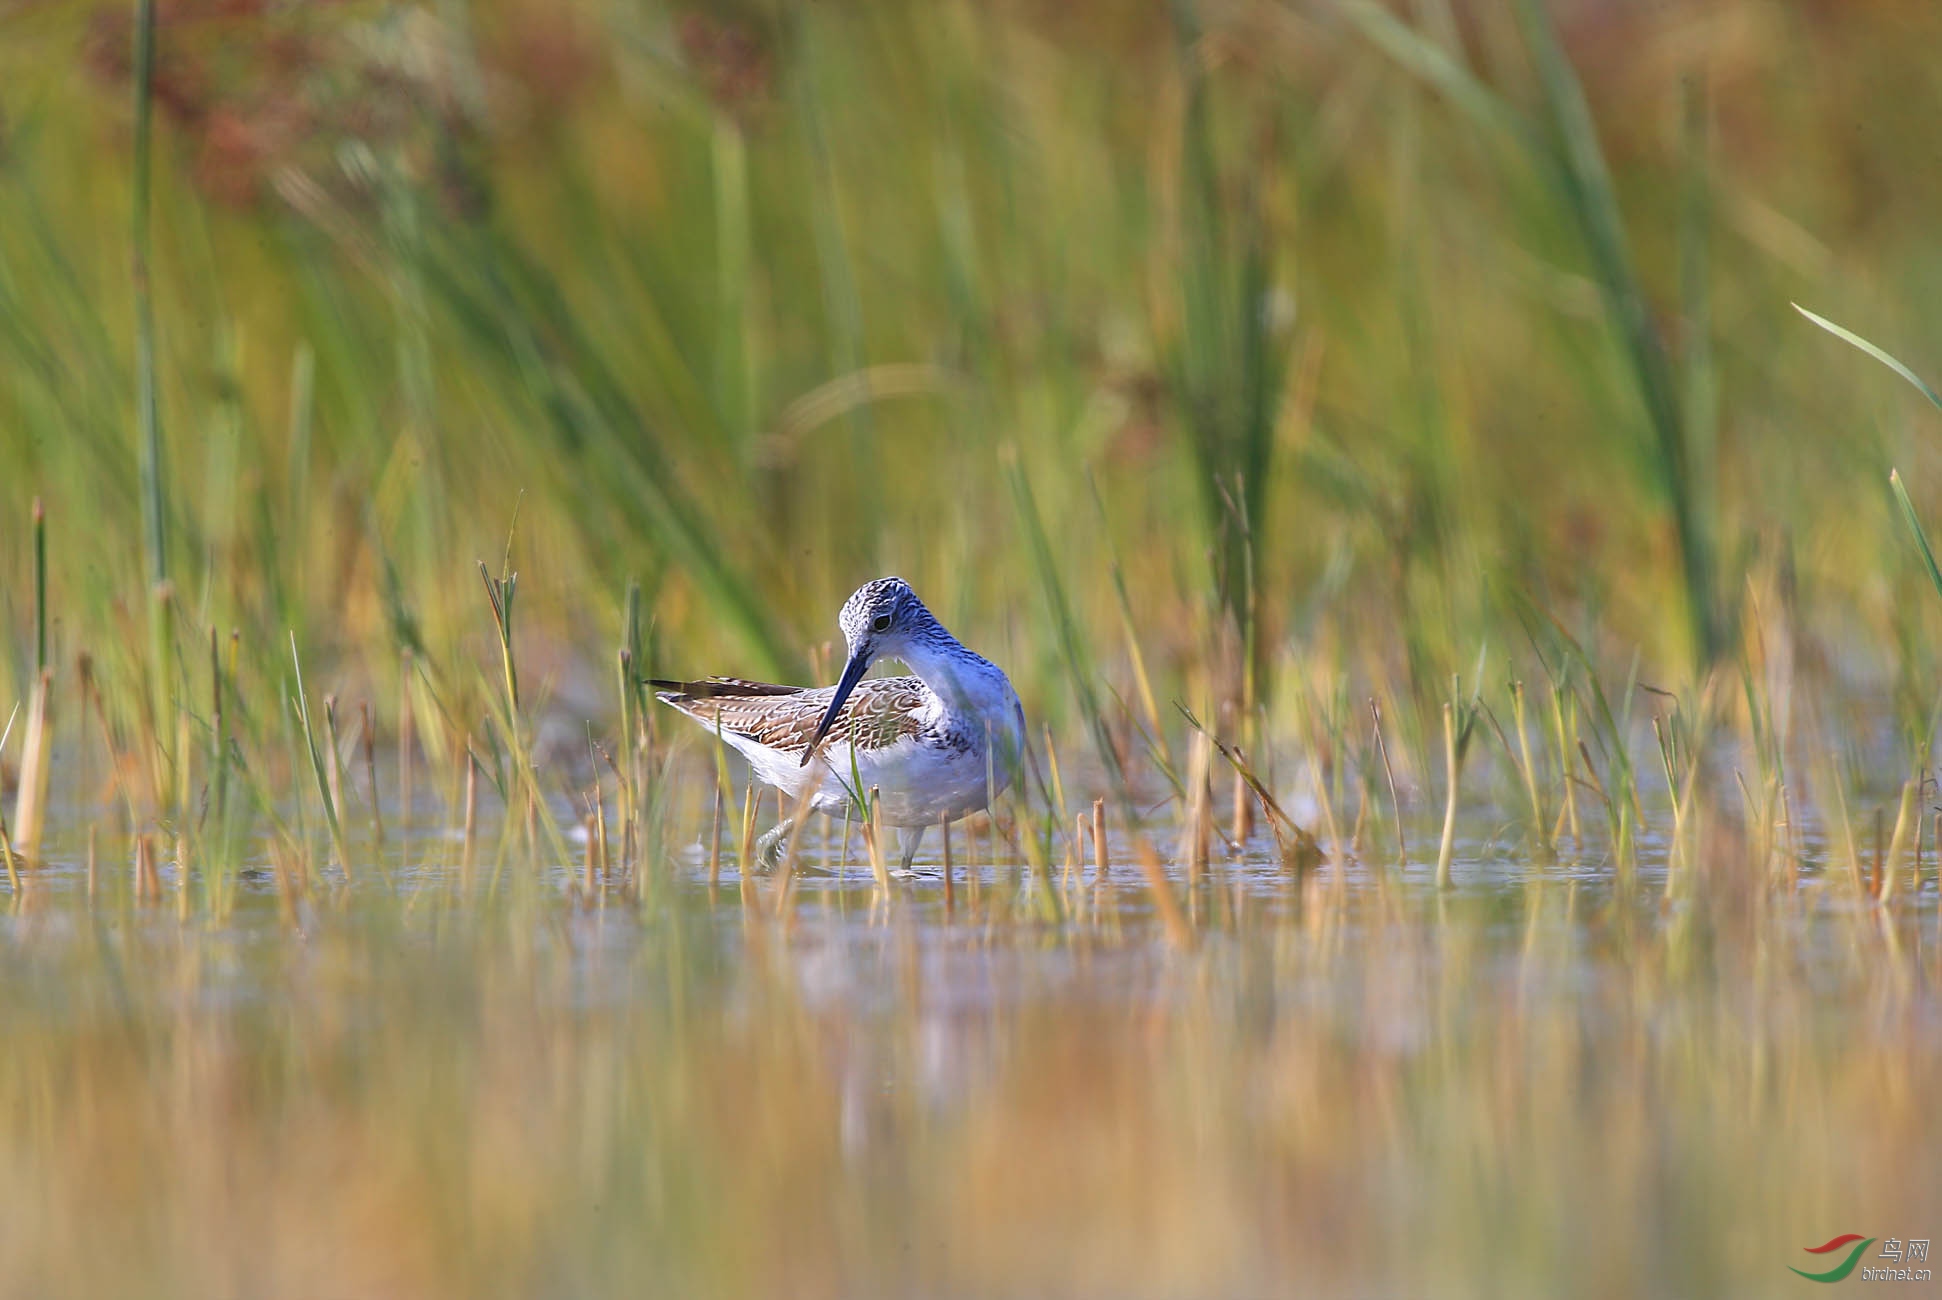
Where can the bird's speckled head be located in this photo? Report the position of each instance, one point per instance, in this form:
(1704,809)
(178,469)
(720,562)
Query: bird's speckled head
(885,619)
(883,610)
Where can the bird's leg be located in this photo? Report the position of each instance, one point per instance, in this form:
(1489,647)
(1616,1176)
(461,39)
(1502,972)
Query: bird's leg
(911,837)
(769,849)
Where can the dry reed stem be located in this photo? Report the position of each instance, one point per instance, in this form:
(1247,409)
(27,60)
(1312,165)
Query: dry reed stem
(1179,933)
(333,779)
(1194,833)
(1389,775)
(469,850)
(371,770)
(1874,869)
(1897,847)
(1101,862)
(974,866)
(715,840)
(1338,857)
(1448,845)
(600,834)
(1921,788)
(950,890)
(30,803)
(1567,735)
(744,862)
(588,868)
(873,841)
(1243,812)
(285,884)
(1529,766)
(7,855)
(786,887)
(406,726)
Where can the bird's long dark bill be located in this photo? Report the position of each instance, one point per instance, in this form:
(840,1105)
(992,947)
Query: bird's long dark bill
(852,674)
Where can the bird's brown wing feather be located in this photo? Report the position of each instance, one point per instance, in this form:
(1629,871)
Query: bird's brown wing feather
(880,711)
(712,687)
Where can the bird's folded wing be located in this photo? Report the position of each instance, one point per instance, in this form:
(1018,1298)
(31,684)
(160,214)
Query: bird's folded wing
(880,711)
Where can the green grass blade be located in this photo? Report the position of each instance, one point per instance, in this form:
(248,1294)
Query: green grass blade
(1850,337)
(1572,164)
(317,762)
(1915,525)
(1585,182)
(1433,65)
(147,406)
(1078,663)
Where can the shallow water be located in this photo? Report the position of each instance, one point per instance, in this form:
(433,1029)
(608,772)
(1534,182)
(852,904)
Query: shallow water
(996,937)
(1542,1070)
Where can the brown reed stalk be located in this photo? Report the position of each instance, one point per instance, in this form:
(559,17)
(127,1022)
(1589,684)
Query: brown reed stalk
(286,883)
(333,774)
(1100,859)
(1199,797)
(1921,789)
(1203,827)
(1566,728)
(1538,824)
(745,852)
(873,840)
(1450,806)
(950,889)
(588,866)
(371,769)
(30,802)
(629,694)
(974,871)
(600,832)
(1179,933)
(798,814)
(7,856)
(1898,845)
(715,840)
(469,849)
(1298,848)
(326,780)
(1874,870)
(1389,774)
(843,862)
(40,587)
(406,725)
(1243,806)
(745,866)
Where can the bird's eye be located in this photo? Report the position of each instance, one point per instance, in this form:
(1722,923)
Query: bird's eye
(881,623)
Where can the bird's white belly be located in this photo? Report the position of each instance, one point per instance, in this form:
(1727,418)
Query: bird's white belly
(918,784)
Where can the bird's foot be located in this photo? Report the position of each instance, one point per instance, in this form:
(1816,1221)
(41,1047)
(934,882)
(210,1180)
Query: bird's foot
(770,848)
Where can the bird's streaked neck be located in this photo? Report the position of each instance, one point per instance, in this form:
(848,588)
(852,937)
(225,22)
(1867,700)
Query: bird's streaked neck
(958,676)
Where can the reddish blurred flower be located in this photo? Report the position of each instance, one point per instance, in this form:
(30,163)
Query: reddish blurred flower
(730,57)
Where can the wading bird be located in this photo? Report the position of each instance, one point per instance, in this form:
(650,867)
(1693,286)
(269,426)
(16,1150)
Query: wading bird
(935,746)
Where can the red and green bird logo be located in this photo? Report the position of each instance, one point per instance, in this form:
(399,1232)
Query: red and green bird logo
(1843,1268)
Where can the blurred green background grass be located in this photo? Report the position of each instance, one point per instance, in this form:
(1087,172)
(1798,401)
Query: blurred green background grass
(746,300)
